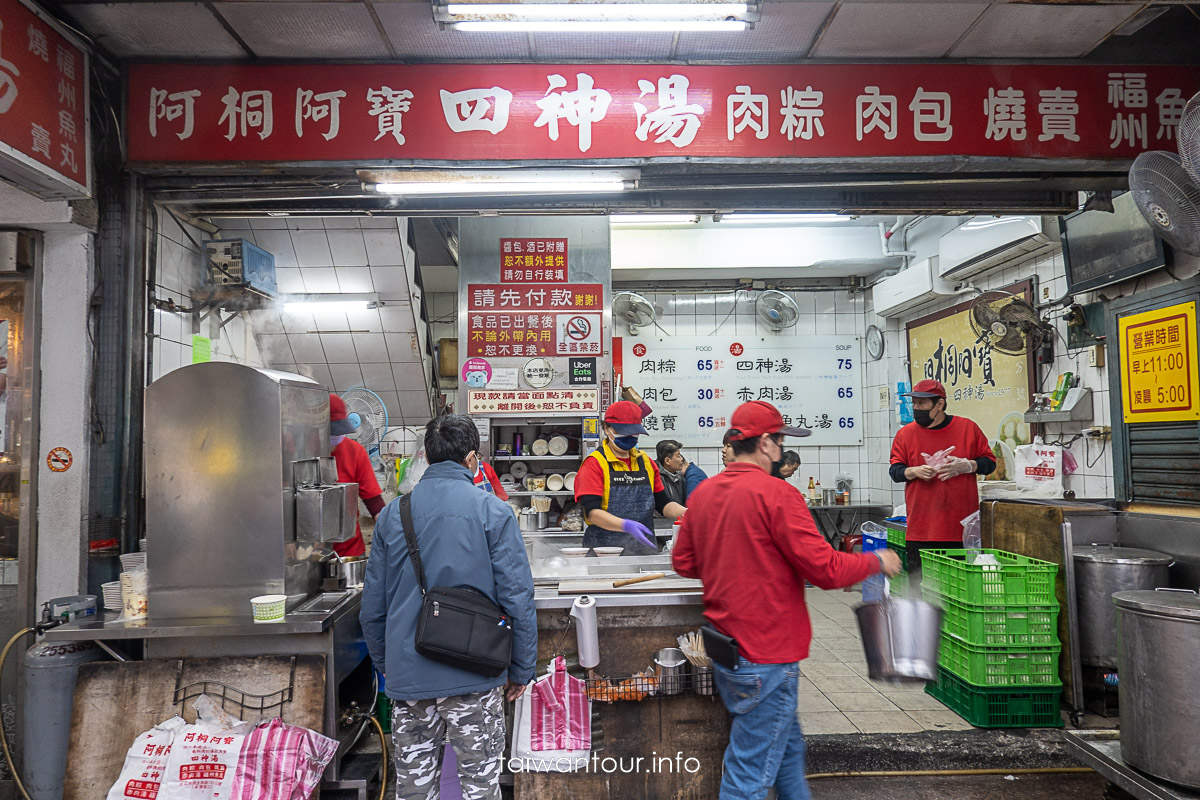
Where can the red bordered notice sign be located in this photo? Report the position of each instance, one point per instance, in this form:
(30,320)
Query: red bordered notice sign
(59,459)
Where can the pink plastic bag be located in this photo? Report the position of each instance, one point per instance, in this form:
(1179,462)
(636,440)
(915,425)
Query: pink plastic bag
(281,762)
(561,717)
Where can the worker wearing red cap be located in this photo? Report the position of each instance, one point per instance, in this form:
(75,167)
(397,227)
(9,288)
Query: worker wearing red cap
(619,487)
(938,497)
(752,543)
(353,466)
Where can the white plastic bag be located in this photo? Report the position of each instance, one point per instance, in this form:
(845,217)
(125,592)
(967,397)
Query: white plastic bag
(522,756)
(146,762)
(1039,469)
(416,467)
(972,537)
(204,756)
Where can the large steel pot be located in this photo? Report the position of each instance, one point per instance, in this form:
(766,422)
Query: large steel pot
(353,569)
(1159,643)
(1100,571)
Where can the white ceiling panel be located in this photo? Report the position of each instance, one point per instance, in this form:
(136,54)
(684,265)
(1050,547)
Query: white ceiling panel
(896,30)
(266,321)
(296,322)
(378,377)
(603,47)
(415,35)
(383,247)
(306,348)
(275,348)
(1041,31)
(268,223)
(365,320)
(345,376)
(371,348)
(347,248)
(391,402)
(156,30)
(303,223)
(341,223)
(339,348)
(320,280)
(306,30)
(325,319)
(318,372)
(785,32)
(409,375)
(414,406)
(279,244)
(312,248)
(289,281)
(355,279)
(402,347)
(390,281)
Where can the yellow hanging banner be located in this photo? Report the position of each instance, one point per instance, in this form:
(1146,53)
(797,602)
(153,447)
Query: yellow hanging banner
(1159,377)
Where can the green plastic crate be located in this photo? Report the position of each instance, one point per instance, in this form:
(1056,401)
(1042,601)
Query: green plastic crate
(999,666)
(991,625)
(999,708)
(899,586)
(1018,581)
(902,552)
(896,537)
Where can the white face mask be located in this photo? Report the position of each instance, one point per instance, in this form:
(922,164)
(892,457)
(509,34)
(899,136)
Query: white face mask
(334,441)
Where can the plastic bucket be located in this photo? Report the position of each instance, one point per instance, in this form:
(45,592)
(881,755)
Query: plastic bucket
(900,637)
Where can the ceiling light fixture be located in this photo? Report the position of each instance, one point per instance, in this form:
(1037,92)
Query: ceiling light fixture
(561,16)
(497,182)
(623,220)
(330,302)
(783,219)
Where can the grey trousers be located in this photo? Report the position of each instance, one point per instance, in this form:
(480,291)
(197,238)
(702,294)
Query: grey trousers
(472,723)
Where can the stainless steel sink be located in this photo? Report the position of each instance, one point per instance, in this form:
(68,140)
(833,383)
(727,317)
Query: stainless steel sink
(323,603)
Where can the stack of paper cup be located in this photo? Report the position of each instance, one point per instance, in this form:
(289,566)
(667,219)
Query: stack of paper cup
(133,594)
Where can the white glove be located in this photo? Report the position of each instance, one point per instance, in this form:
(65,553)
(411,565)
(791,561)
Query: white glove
(954,466)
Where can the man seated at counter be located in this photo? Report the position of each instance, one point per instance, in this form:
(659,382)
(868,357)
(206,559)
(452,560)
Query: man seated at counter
(464,537)
(619,487)
(786,468)
(680,476)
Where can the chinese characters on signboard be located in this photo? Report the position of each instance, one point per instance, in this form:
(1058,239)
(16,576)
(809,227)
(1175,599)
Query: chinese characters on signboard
(533,260)
(693,384)
(1159,380)
(44,122)
(983,384)
(302,113)
(530,319)
(548,401)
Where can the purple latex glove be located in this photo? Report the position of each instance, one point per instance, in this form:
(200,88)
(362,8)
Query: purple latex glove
(638,531)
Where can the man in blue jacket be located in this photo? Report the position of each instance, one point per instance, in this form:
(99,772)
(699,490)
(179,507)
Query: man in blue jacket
(680,476)
(466,538)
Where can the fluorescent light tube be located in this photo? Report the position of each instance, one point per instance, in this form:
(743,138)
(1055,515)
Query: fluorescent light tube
(783,219)
(500,187)
(599,26)
(326,305)
(585,11)
(653,219)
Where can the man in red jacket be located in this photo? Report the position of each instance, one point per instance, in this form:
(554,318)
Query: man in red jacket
(753,543)
(938,498)
(353,466)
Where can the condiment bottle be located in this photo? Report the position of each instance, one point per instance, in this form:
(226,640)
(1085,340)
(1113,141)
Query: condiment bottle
(812,489)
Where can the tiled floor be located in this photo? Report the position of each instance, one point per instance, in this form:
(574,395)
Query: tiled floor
(836,696)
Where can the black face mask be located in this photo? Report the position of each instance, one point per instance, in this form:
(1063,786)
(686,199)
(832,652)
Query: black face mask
(923,417)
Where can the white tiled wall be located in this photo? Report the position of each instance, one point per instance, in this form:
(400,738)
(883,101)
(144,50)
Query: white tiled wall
(825,312)
(180,269)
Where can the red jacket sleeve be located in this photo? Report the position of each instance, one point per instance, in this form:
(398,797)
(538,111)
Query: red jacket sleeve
(979,444)
(494,480)
(900,454)
(683,552)
(804,547)
(368,486)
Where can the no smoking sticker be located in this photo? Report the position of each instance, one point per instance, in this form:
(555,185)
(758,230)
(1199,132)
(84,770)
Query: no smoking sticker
(578,334)
(59,459)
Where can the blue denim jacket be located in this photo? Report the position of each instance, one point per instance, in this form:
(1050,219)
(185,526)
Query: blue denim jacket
(693,476)
(467,538)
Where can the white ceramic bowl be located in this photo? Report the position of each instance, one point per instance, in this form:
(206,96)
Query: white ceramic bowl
(608,552)
(554,483)
(569,481)
(558,445)
(573,552)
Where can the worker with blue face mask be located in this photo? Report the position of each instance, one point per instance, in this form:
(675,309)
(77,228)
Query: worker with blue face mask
(619,487)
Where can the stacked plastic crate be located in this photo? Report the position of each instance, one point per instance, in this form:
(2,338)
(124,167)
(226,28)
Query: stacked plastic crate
(998,659)
(896,539)
(872,587)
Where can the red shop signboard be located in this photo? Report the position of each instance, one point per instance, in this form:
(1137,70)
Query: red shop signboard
(524,320)
(537,112)
(44,124)
(533,260)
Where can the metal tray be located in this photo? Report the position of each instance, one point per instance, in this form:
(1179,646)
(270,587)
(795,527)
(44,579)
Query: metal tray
(1101,750)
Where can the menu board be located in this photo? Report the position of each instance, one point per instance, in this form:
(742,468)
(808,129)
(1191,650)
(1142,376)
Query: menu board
(1159,377)
(531,319)
(694,383)
(991,388)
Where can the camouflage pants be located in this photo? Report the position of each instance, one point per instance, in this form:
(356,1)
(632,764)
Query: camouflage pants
(472,723)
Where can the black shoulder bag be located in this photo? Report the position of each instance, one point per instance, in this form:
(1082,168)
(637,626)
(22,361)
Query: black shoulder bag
(458,625)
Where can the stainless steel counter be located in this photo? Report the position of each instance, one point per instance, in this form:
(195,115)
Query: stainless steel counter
(548,598)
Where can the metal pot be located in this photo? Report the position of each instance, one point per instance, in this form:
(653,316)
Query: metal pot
(353,569)
(900,637)
(1159,639)
(1100,571)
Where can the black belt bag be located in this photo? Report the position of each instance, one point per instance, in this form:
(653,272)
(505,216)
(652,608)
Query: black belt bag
(458,625)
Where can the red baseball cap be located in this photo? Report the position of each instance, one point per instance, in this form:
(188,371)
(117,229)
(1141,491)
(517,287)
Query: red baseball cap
(758,417)
(625,417)
(340,423)
(926,389)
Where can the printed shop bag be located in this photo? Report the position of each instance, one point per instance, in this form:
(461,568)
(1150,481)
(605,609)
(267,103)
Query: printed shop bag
(561,714)
(1040,468)
(281,762)
(146,762)
(204,756)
